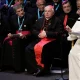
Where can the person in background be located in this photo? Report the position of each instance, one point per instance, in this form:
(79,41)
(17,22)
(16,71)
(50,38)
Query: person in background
(4,24)
(4,6)
(68,17)
(74,7)
(11,11)
(45,31)
(39,10)
(78,7)
(57,6)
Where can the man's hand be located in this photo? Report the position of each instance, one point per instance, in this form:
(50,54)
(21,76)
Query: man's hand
(78,12)
(21,35)
(9,35)
(42,34)
(68,29)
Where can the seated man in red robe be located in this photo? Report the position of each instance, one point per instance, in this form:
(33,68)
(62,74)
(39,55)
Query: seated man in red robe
(46,31)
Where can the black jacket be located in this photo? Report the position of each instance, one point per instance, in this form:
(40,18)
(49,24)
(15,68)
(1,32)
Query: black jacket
(54,28)
(27,24)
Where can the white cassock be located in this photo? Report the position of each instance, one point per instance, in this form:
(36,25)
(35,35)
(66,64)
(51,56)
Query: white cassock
(74,55)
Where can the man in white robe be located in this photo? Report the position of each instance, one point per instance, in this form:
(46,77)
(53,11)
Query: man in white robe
(74,55)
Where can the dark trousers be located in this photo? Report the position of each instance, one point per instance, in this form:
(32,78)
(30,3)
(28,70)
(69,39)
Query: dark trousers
(14,56)
(63,48)
(47,56)
(31,64)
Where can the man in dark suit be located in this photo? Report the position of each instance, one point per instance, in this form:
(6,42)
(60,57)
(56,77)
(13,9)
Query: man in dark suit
(19,36)
(38,9)
(68,17)
(46,31)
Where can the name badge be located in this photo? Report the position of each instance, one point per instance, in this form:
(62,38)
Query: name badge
(49,24)
(24,25)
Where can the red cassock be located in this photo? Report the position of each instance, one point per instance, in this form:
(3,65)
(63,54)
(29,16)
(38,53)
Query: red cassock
(10,39)
(38,49)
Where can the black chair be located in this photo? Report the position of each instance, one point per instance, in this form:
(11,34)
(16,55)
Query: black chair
(59,58)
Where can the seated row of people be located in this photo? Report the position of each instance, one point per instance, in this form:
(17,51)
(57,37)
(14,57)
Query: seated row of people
(45,32)
(29,43)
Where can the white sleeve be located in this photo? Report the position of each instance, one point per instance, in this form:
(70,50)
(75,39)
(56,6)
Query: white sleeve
(71,37)
(75,28)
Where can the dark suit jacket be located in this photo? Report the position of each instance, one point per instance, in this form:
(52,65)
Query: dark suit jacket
(72,17)
(27,24)
(53,30)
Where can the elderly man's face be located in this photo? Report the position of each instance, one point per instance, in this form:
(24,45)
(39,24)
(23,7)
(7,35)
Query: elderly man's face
(20,12)
(67,7)
(48,12)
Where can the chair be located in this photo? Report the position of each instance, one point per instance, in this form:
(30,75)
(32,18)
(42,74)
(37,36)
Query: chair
(60,58)
(62,74)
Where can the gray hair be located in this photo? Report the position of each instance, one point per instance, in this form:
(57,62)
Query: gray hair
(52,7)
(17,6)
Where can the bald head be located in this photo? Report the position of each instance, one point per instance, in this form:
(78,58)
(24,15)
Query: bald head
(38,1)
(40,4)
(48,11)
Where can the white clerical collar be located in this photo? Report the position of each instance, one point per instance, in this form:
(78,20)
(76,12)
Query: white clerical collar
(47,19)
(79,18)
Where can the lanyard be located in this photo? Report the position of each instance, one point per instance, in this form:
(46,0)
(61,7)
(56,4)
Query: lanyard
(9,4)
(25,1)
(57,7)
(39,14)
(20,25)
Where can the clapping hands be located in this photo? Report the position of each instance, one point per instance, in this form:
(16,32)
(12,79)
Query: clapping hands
(68,29)
(42,34)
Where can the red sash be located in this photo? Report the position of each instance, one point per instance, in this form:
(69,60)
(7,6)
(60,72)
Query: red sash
(38,49)
(10,39)
(24,32)
(65,21)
